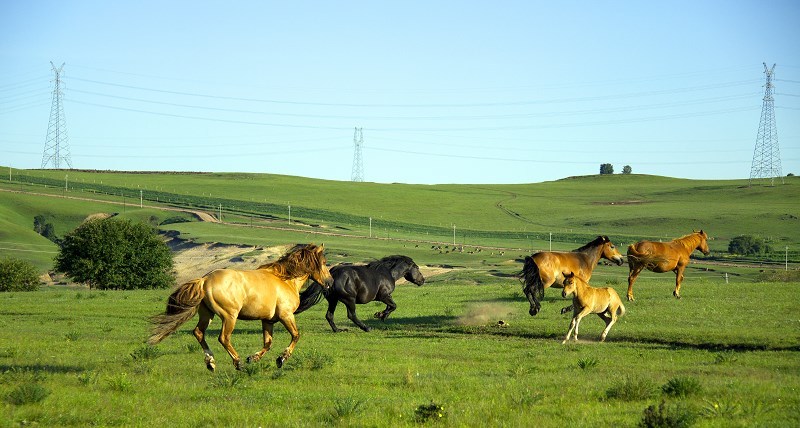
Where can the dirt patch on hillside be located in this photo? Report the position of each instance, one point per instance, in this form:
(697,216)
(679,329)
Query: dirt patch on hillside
(195,260)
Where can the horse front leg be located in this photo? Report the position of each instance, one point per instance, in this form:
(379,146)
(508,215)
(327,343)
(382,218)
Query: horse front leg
(225,339)
(266,328)
(291,327)
(390,307)
(678,279)
(609,320)
(329,315)
(200,334)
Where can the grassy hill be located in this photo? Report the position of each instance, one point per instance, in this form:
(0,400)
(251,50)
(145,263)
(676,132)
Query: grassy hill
(519,216)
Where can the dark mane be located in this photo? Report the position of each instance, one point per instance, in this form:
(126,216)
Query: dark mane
(600,240)
(389,262)
(300,260)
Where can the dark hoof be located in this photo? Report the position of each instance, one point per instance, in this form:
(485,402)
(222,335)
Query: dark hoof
(565,310)
(338,330)
(365,328)
(378,315)
(279,361)
(211,367)
(533,312)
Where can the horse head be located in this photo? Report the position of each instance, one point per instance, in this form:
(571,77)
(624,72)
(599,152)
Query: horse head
(703,245)
(319,267)
(610,251)
(569,284)
(414,275)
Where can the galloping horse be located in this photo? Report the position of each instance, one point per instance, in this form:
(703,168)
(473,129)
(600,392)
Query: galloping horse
(545,268)
(604,302)
(269,293)
(358,284)
(663,257)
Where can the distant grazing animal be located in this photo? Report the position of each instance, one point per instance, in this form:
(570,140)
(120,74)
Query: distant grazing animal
(604,302)
(358,284)
(664,257)
(269,293)
(545,268)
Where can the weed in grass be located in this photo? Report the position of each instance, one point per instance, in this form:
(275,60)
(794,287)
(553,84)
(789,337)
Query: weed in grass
(193,347)
(106,327)
(225,379)
(120,382)
(344,408)
(681,387)
(28,393)
(588,363)
(668,416)
(88,378)
(756,409)
(410,378)
(311,360)
(277,374)
(631,389)
(72,336)
(725,357)
(9,353)
(146,352)
(724,409)
(449,311)
(527,398)
(426,412)
(612,282)
(252,369)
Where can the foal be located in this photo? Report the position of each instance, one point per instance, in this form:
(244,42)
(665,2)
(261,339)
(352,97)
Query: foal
(604,302)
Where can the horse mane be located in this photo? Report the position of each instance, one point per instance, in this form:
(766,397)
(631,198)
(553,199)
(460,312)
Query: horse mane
(389,262)
(295,262)
(600,240)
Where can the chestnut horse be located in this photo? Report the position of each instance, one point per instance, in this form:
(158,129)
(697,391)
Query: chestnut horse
(545,268)
(663,257)
(270,293)
(604,302)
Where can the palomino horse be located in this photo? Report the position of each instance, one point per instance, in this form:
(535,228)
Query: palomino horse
(604,302)
(361,284)
(663,257)
(545,268)
(269,293)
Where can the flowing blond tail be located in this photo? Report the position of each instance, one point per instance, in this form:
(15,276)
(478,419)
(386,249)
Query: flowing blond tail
(621,310)
(181,307)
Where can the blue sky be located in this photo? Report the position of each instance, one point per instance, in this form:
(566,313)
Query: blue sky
(445,91)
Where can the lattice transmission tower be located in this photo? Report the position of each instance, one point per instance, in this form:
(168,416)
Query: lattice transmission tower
(358,161)
(56,147)
(767,154)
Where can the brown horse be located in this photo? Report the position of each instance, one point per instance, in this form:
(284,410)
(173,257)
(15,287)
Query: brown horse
(663,257)
(545,268)
(269,293)
(604,302)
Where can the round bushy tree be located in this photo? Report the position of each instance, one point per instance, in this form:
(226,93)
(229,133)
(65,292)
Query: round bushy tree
(18,275)
(116,254)
(748,245)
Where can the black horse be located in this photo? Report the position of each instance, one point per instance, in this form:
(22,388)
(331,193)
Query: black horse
(359,284)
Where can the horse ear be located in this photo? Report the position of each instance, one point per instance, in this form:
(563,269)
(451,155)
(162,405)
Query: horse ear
(321,248)
(568,274)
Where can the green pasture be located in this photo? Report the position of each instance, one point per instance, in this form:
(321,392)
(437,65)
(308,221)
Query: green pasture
(74,357)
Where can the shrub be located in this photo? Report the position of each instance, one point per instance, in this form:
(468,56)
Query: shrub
(18,275)
(681,387)
(663,416)
(748,245)
(116,254)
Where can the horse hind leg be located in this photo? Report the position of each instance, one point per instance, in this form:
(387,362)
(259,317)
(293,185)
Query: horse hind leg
(225,339)
(609,320)
(200,334)
(266,327)
(351,313)
(571,328)
(678,280)
(632,275)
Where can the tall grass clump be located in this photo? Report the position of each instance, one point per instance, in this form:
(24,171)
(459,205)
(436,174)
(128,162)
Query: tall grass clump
(681,387)
(668,416)
(28,393)
(345,408)
(631,389)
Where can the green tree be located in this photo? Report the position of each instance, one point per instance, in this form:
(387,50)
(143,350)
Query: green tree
(627,169)
(116,254)
(18,275)
(748,245)
(606,168)
(45,228)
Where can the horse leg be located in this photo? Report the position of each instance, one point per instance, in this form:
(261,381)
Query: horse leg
(329,315)
(390,307)
(200,334)
(634,273)
(569,332)
(350,304)
(585,311)
(228,323)
(609,320)
(291,327)
(678,279)
(266,327)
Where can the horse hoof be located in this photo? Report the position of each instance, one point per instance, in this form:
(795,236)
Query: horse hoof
(630,298)
(279,361)
(533,312)
(211,367)
(377,315)
(365,328)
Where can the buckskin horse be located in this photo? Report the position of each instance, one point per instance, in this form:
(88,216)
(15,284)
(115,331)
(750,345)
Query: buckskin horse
(663,257)
(546,268)
(269,293)
(358,284)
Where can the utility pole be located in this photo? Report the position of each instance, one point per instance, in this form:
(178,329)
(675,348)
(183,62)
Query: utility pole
(766,155)
(56,148)
(290,212)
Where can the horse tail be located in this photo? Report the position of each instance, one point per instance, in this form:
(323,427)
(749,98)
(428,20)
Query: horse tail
(530,278)
(310,296)
(645,259)
(621,309)
(181,307)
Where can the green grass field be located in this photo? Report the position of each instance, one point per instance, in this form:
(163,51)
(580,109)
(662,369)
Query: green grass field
(82,355)
(727,354)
